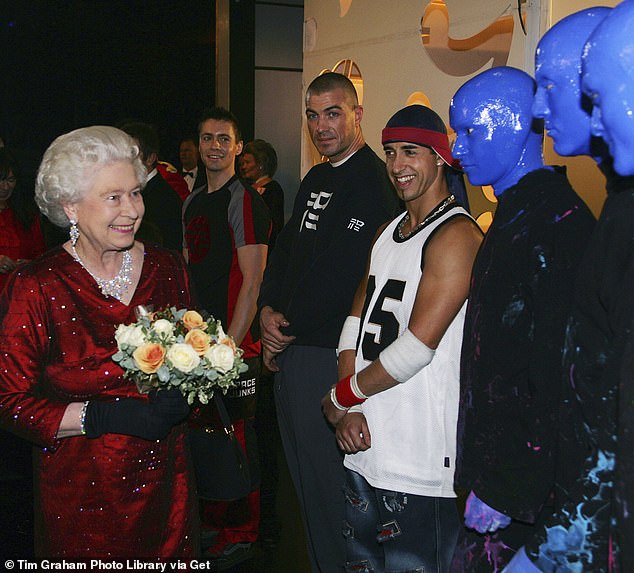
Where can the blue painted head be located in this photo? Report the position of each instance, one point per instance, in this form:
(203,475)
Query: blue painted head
(559,100)
(497,142)
(608,80)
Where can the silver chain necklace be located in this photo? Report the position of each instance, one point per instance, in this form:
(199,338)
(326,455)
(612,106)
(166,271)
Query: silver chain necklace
(116,287)
(437,211)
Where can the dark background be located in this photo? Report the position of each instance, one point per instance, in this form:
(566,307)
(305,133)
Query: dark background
(70,63)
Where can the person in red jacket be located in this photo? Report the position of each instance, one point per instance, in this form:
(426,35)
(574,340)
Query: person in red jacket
(21,237)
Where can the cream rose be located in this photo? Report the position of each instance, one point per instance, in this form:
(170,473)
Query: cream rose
(198,340)
(129,334)
(192,319)
(163,327)
(220,356)
(183,357)
(149,357)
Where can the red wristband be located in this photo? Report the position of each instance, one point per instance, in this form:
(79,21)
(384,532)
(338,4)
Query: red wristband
(345,396)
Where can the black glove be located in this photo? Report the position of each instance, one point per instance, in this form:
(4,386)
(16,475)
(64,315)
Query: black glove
(148,420)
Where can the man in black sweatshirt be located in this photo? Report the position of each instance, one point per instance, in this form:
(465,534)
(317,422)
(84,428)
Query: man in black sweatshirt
(309,284)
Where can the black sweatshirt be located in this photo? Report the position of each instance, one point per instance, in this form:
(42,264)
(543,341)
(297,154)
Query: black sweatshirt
(321,254)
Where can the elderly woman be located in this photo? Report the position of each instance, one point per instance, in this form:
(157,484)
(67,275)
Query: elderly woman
(258,164)
(112,477)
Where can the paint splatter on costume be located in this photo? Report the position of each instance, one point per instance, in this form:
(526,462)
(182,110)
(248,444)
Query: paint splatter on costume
(578,536)
(511,358)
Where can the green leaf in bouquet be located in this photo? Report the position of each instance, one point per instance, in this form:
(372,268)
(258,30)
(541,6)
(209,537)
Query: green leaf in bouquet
(212,329)
(203,397)
(163,373)
(129,363)
(177,376)
(198,372)
(118,356)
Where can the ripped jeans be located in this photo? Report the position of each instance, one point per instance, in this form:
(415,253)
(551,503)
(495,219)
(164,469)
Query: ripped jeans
(392,532)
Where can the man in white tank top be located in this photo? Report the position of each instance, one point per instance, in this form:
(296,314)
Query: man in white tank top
(395,406)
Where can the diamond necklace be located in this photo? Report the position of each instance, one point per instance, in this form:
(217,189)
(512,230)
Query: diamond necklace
(437,211)
(116,287)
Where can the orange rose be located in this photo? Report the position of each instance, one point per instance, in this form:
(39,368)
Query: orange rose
(198,340)
(149,357)
(192,319)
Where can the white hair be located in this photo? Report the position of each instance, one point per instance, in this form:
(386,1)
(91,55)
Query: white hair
(71,161)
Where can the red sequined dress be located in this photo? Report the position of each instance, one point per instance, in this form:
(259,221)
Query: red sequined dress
(113,497)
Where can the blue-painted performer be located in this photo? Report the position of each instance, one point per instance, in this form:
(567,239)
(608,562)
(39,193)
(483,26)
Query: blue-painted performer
(514,329)
(580,534)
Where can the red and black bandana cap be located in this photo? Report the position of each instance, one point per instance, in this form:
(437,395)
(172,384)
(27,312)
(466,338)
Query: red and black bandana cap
(420,125)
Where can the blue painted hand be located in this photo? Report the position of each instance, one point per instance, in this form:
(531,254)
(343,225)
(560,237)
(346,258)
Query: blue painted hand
(484,519)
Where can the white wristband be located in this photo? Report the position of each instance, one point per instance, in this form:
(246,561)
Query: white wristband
(354,386)
(406,356)
(349,334)
(335,402)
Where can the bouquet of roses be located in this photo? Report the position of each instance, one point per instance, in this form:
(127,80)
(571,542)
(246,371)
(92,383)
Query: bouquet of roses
(173,348)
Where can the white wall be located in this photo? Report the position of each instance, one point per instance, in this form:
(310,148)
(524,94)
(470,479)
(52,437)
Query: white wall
(384,40)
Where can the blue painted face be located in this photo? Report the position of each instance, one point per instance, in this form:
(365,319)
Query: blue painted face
(608,80)
(480,136)
(491,115)
(559,100)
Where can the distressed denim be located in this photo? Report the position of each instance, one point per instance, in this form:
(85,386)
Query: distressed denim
(393,532)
